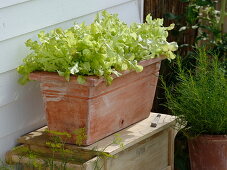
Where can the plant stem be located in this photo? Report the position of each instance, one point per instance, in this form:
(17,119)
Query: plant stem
(223,13)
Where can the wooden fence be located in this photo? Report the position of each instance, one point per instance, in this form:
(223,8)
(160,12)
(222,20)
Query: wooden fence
(158,9)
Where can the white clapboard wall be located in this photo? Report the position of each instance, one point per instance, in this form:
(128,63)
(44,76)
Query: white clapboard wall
(21,108)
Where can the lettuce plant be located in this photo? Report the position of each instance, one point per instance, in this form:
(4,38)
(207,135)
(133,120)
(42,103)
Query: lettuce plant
(107,46)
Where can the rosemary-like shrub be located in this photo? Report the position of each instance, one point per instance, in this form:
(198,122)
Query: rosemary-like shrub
(200,98)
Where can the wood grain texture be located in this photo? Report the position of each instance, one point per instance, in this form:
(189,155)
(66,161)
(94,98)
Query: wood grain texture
(53,12)
(4,3)
(158,9)
(171,137)
(145,148)
(149,154)
(9,141)
(11,91)
(19,114)
(17,157)
(130,136)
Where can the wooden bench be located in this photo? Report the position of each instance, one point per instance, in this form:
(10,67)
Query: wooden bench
(145,148)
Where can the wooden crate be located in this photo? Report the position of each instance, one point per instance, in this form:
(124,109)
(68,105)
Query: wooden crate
(145,148)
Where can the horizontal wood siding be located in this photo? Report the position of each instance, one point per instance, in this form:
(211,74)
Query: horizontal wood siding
(43,13)
(22,112)
(13,49)
(6,3)
(10,140)
(21,108)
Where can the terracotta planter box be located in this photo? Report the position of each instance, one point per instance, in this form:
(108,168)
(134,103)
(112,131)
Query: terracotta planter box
(100,109)
(208,152)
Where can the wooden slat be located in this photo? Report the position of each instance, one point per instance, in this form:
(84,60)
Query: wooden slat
(130,136)
(167,168)
(135,133)
(9,141)
(53,12)
(18,157)
(148,154)
(20,114)
(11,91)
(144,147)
(158,9)
(171,136)
(7,3)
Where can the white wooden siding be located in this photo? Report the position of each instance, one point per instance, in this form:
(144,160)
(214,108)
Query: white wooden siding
(10,140)
(13,49)
(21,107)
(6,3)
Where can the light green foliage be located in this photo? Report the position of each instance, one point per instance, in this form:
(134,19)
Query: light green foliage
(200,98)
(105,47)
(32,156)
(21,149)
(80,136)
(57,141)
(118,140)
(103,155)
(60,153)
(4,166)
(56,133)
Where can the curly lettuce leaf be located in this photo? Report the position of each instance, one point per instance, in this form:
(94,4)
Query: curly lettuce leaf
(107,46)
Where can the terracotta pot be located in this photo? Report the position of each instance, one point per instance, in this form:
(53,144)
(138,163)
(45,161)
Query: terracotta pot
(100,109)
(208,152)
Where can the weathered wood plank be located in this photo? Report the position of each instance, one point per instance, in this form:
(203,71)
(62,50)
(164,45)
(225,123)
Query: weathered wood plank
(135,133)
(4,3)
(131,135)
(171,136)
(167,168)
(9,141)
(53,12)
(151,153)
(144,147)
(19,114)
(12,91)
(17,157)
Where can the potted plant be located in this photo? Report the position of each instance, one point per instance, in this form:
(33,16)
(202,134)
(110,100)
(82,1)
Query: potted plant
(91,75)
(199,100)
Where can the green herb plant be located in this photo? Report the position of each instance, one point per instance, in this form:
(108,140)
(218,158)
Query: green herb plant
(58,151)
(107,46)
(200,98)
(33,162)
(59,154)
(57,145)
(207,22)
(103,155)
(4,166)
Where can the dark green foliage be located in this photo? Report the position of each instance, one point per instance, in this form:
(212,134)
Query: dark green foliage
(203,22)
(200,97)
(181,156)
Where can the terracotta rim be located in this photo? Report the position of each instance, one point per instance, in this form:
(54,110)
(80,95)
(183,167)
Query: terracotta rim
(90,80)
(210,137)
